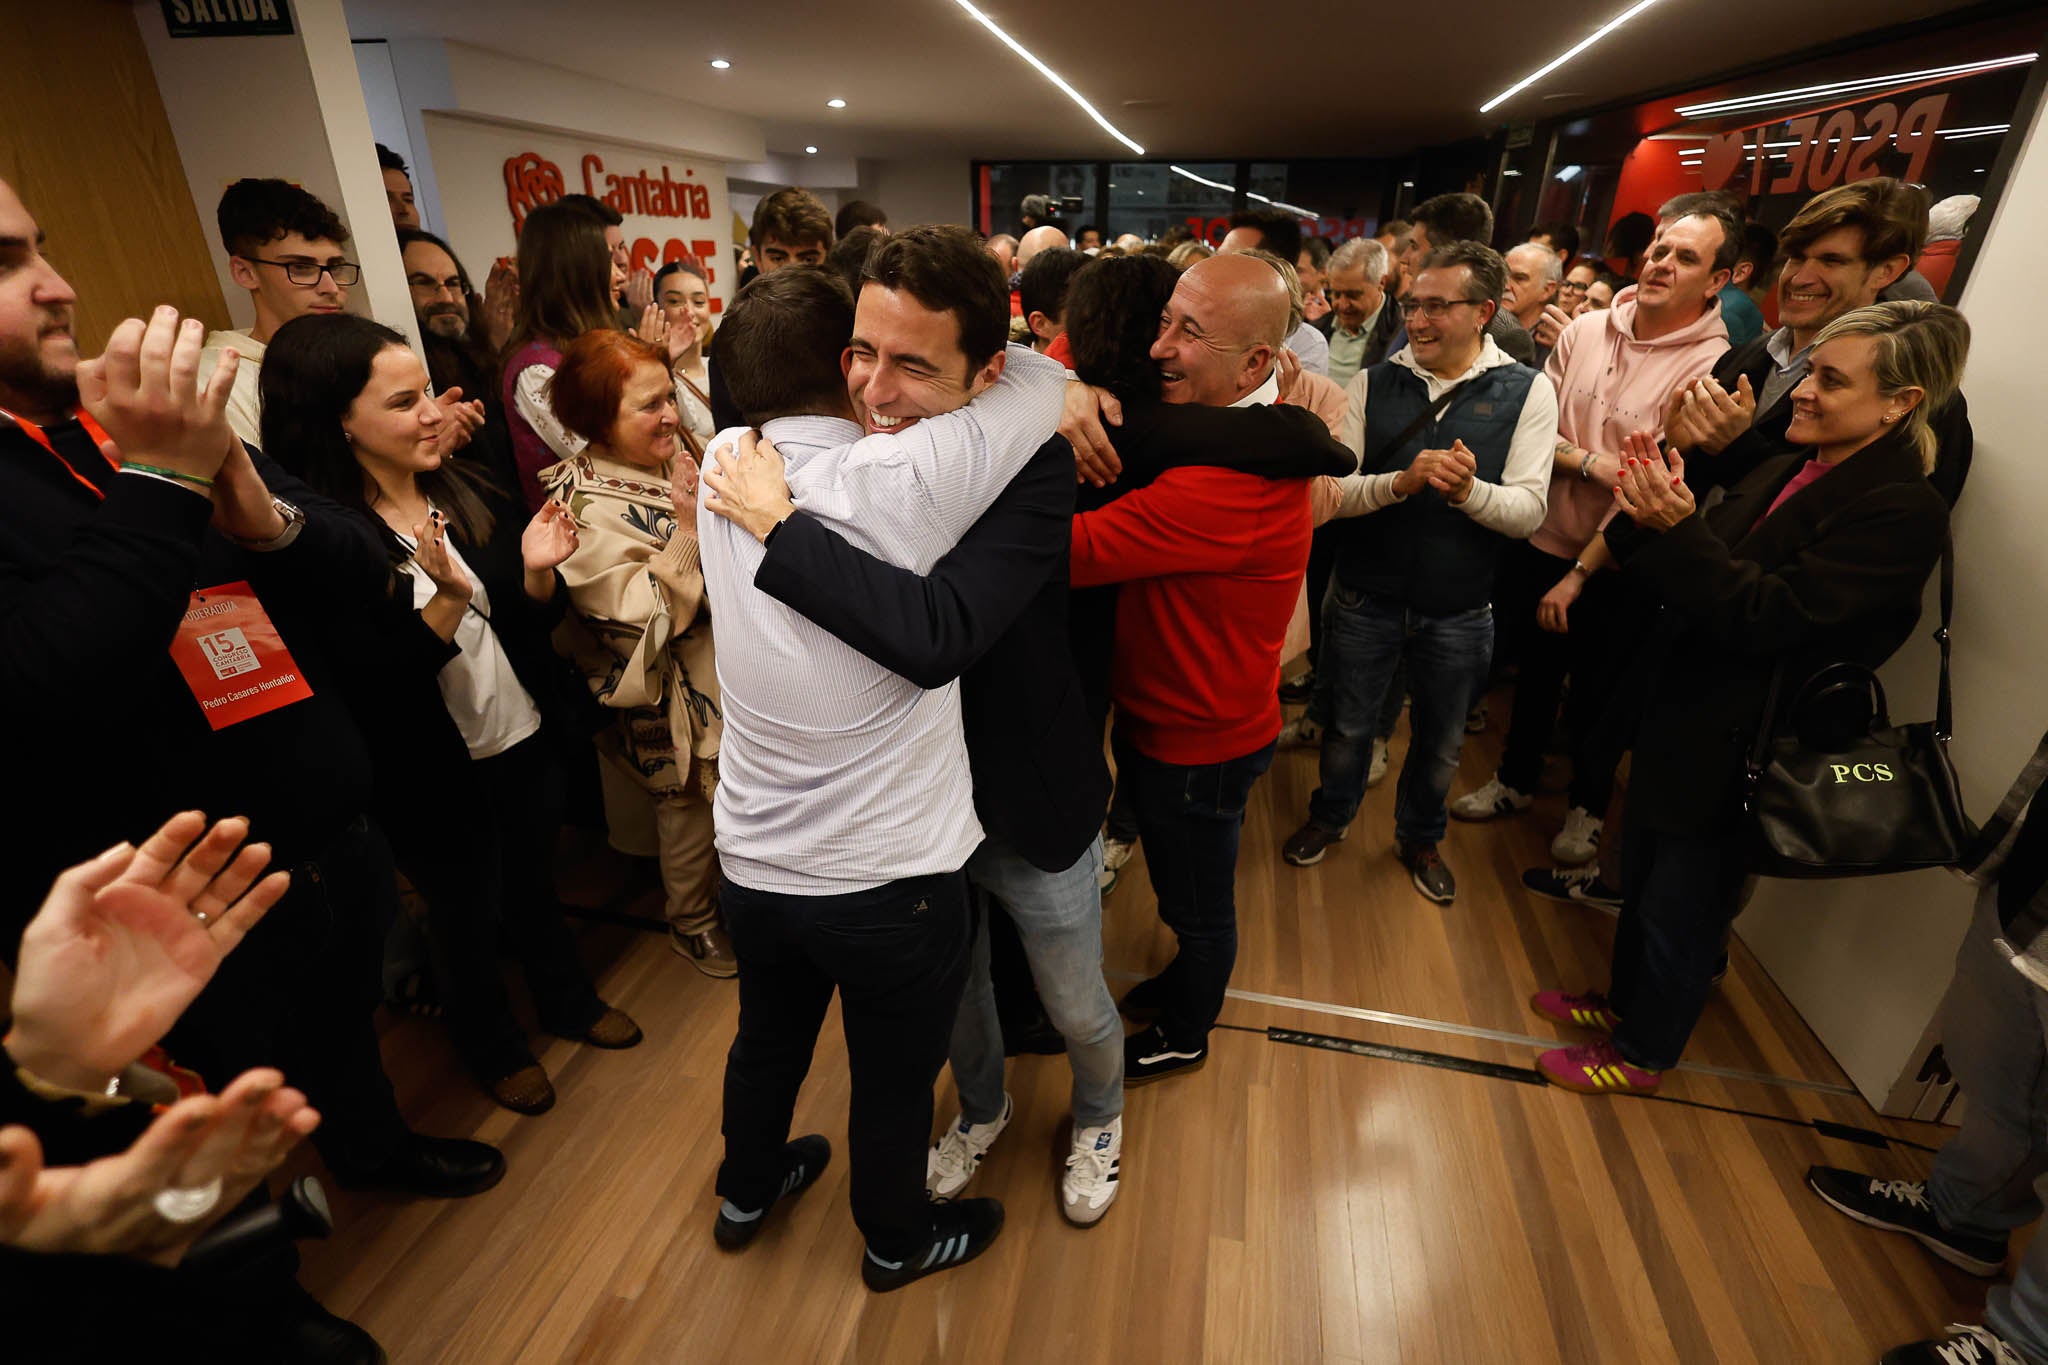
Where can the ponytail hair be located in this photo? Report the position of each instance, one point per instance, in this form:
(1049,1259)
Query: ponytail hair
(1919,346)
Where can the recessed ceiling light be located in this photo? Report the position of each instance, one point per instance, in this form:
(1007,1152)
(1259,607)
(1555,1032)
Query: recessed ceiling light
(720,64)
(1523,84)
(1069,91)
(812,151)
(835,104)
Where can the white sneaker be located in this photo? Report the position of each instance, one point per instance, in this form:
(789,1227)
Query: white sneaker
(1376,772)
(1578,843)
(1115,853)
(1301,733)
(1494,799)
(955,1158)
(1089,1186)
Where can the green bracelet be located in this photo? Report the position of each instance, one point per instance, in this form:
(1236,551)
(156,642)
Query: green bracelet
(195,480)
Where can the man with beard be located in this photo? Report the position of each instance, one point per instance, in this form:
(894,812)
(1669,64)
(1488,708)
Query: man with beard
(458,356)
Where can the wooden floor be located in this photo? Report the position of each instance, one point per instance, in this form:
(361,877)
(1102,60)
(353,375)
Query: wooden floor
(1282,1205)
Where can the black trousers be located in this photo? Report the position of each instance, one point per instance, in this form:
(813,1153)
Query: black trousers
(1594,654)
(897,954)
(489,882)
(299,994)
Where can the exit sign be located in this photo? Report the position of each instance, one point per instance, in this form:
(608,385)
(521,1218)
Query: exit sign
(227,18)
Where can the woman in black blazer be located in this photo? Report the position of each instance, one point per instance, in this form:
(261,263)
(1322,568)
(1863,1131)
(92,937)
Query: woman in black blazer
(459,695)
(1819,556)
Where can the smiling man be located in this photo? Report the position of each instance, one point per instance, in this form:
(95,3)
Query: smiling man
(284,247)
(846,806)
(1613,370)
(1842,249)
(1210,561)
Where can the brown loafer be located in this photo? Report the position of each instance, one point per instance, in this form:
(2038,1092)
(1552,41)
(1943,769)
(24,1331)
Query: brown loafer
(709,952)
(614,1029)
(525,1091)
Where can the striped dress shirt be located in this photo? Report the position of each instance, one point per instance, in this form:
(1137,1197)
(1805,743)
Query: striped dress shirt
(835,774)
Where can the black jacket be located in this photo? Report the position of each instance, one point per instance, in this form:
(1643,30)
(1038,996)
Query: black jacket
(1379,342)
(109,741)
(1765,439)
(1836,574)
(992,613)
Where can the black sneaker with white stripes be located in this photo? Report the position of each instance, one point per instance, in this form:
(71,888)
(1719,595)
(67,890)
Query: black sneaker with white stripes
(803,1161)
(1901,1206)
(1149,1055)
(961,1231)
(1959,1344)
(1574,886)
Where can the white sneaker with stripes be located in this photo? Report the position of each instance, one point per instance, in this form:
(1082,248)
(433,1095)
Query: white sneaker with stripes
(955,1158)
(1089,1186)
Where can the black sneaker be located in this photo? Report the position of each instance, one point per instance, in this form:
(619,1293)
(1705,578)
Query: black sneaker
(1307,845)
(1144,1001)
(961,1231)
(1298,691)
(1901,1206)
(1574,886)
(804,1161)
(1426,869)
(1149,1055)
(1959,1344)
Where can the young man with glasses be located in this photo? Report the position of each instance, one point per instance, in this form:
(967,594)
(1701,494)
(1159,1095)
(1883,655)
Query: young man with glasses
(1455,449)
(284,247)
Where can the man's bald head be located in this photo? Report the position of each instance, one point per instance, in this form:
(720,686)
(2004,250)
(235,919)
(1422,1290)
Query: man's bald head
(1037,240)
(1224,324)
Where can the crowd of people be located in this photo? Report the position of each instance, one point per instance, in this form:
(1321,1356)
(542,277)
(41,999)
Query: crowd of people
(836,615)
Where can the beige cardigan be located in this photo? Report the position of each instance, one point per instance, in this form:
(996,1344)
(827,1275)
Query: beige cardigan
(638,591)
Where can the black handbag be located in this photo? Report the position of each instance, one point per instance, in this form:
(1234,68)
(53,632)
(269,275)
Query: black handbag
(1839,791)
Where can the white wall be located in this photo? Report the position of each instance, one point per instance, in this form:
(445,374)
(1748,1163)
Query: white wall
(913,192)
(470,157)
(1867,961)
(290,107)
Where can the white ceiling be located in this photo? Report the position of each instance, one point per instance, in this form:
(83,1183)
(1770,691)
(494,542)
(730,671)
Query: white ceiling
(1197,78)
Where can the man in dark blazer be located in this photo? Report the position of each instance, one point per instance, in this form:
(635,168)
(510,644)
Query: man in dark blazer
(1840,252)
(1361,308)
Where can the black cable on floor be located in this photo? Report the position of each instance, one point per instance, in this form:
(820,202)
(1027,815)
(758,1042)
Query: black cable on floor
(1529,1075)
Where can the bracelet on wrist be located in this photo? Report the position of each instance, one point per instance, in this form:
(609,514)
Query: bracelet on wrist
(1580,566)
(197,481)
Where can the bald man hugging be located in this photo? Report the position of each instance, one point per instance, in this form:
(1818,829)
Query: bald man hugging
(1211,560)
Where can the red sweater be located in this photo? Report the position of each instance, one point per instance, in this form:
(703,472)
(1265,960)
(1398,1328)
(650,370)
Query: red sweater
(1211,561)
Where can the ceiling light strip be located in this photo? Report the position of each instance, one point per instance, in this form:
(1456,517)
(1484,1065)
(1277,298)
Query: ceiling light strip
(1052,76)
(1523,84)
(1730,106)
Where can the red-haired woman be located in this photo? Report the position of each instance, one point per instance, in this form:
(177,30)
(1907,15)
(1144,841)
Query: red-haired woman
(635,583)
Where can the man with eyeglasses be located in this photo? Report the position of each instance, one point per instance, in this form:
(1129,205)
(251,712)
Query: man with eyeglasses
(460,356)
(284,247)
(1454,440)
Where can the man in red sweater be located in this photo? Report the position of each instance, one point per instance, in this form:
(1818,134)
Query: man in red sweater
(1211,561)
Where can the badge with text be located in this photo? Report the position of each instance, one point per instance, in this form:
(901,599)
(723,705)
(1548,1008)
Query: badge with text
(233,658)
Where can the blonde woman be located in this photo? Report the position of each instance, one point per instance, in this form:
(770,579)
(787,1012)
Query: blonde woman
(1819,556)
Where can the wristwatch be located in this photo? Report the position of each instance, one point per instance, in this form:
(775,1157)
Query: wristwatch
(294,522)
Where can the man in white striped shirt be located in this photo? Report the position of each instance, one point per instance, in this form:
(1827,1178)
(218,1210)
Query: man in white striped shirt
(845,808)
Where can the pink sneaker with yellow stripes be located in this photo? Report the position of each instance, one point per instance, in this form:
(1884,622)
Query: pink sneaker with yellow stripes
(1596,1069)
(1590,1010)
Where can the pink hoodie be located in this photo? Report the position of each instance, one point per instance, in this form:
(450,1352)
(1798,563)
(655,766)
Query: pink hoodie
(1608,385)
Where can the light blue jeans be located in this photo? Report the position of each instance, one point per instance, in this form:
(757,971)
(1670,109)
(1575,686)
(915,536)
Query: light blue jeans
(1994,1030)
(1059,919)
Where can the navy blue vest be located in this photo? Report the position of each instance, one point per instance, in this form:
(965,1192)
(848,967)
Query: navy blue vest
(1424,552)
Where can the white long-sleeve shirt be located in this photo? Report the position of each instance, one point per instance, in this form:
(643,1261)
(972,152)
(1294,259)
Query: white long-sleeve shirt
(835,774)
(1516,505)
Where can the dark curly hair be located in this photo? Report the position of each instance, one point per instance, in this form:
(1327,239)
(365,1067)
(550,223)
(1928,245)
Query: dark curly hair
(1113,311)
(254,213)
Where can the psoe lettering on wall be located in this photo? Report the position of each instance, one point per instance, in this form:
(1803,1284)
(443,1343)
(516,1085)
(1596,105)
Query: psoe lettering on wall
(227,18)
(532,180)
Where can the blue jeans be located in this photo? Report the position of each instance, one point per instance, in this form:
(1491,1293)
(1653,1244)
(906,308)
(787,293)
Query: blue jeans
(1679,894)
(1367,643)
(1994,1031)
(1059,920)
(1190,819)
